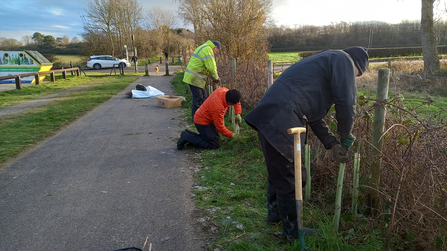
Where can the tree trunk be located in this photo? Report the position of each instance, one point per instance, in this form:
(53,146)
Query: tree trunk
(431,61)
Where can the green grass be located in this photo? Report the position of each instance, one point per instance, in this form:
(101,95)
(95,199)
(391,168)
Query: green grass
(156,61)
(423,105)
(281,57)
(232,194)
(66,59)
(35,91)
(21,132)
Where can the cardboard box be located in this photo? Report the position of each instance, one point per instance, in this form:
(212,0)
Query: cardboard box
(169,101)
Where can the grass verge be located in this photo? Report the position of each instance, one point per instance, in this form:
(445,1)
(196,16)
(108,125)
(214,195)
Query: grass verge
(231,190)
(278,57)
(20,132)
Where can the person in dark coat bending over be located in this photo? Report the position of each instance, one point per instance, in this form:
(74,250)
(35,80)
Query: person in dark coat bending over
(303,94)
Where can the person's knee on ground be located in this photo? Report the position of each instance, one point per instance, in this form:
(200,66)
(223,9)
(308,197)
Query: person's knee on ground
(213,145)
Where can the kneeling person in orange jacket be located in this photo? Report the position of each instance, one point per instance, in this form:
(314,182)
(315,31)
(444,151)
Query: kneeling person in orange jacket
(209,120)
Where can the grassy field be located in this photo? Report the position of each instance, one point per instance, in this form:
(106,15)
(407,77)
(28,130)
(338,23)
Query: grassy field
(79,60)
(284,57)
(66,59)
(25,130)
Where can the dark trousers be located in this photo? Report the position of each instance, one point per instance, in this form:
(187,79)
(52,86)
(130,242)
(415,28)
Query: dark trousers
(281,172)
(207,138)
(198,97)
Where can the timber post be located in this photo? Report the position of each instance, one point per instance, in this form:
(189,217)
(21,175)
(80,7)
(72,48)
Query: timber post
(383,81)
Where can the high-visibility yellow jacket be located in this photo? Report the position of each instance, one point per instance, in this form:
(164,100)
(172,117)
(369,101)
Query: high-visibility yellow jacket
(200,65)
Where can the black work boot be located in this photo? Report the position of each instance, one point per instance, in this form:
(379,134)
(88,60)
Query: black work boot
(182,140)
(273,214)
(288,216)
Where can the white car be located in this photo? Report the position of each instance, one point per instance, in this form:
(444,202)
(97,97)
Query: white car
(106,61)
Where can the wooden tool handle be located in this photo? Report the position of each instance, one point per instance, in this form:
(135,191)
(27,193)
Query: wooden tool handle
(296,131)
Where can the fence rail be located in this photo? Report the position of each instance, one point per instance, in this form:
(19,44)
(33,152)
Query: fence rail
(37,76)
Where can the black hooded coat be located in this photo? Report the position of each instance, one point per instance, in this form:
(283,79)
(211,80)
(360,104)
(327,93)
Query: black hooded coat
(307,90)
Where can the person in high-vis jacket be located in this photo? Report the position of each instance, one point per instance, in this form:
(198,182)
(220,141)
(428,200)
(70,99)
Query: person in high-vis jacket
(209,120)
(302,95)
(201,64)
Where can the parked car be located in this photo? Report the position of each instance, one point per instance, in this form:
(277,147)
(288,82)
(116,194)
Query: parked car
(106,61)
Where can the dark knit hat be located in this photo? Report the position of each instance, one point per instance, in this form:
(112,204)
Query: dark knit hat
(233,96)
(217,44)
(360,57)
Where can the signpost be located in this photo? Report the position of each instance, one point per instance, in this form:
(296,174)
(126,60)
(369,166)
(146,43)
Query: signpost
(134,52)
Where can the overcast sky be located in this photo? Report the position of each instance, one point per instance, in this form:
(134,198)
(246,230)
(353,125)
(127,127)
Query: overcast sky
(62,17)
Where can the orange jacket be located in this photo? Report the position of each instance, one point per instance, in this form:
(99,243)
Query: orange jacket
(213,110)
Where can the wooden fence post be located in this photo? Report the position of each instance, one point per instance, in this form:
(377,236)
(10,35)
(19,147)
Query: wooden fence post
(37,79)
(269,73)
(383,81)
(233,71)
(64,74)
(146,70)
(18,83)
(233,84)
(53,79)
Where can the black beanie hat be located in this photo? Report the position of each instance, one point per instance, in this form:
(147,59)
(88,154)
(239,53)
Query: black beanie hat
(233,96)
(360,57)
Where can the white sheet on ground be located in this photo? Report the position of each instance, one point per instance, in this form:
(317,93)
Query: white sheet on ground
(150,93)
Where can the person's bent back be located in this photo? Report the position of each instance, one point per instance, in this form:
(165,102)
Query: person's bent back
(209,120)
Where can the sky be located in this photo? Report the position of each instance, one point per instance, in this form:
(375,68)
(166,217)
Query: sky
(19,18)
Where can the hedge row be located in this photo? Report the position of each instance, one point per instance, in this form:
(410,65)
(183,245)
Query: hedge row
(388,52)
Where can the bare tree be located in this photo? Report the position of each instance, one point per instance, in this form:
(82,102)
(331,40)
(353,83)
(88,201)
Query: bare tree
(431,61)
(100,15)
(163,22)
(127,21)
(65,40)
(9,43)
(27,40)
(191,11)
(115,19)
(74,40)
(238,24)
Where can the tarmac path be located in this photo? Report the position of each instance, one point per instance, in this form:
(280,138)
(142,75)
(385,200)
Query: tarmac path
(107,181)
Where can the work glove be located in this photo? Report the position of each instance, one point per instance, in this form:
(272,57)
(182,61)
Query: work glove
(217,81)
(234,128)
(238,119)
(339,154)
(346,141)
